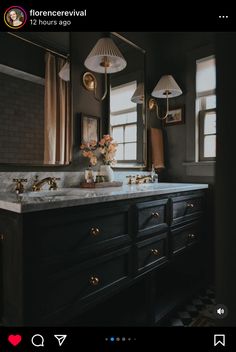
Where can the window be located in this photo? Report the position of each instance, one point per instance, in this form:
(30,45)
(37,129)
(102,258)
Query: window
(206,109)
(123,121)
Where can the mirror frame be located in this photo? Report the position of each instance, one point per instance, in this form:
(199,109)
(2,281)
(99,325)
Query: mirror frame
(144,112)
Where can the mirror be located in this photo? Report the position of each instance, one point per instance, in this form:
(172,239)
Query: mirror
(127,106)
(35,115)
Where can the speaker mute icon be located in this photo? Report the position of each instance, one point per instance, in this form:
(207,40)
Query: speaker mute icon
(60,338)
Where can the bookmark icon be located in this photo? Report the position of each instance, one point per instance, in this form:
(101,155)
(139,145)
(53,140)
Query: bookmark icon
(219,339)
(60,338)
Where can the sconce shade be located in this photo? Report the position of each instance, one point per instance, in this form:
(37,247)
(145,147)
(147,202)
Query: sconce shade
(138,96)
(65,72)
(166,84)
(105,53)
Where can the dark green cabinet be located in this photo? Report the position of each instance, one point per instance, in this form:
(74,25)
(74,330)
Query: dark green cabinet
(57,265)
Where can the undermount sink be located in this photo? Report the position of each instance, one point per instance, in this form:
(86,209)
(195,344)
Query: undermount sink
(61,192)
(46,193)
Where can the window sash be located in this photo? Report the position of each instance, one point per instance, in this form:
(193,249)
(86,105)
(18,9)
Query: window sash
(201,116)
(125,143)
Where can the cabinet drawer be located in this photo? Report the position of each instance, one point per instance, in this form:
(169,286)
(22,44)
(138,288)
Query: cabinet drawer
(152,216)
(152,252)
(66,291)
(185,237)
(187,207)
(75,237)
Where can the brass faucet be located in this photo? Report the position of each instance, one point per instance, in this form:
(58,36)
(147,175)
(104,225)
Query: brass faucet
(139,179)
(19,188)
(51,181)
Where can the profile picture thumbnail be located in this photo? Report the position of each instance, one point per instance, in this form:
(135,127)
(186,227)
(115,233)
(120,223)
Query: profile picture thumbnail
(15,17)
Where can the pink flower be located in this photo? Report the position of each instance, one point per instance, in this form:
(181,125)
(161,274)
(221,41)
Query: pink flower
(88,150)
(107,148)
(93,160)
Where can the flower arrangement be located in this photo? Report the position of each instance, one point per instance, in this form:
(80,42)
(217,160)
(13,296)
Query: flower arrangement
(88,150)
(108,148)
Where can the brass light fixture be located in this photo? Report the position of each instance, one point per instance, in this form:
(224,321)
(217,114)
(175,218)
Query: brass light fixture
(104,58)
(89,81)
(138,96)
(166,88)
(64,73)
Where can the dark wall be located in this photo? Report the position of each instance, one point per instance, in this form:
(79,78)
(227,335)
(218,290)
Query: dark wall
(21,121)
(83,101)
(175,50)
(225,177)
(21,55)
(165,53)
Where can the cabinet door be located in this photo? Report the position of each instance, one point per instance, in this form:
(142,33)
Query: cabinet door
(152,216)
(152,252)
(73,237)
(185,236)
(68,291)
(185,208)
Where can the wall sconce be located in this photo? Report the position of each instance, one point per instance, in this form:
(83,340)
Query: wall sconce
(65,72)
(166,88)
(104,58)
(138,96)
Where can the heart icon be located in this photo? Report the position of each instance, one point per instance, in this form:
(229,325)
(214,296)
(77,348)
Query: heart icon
(14,339)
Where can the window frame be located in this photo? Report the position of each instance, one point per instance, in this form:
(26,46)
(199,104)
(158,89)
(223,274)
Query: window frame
(201,119)
(140,123)
(194,167)
(200,115)
(121,161)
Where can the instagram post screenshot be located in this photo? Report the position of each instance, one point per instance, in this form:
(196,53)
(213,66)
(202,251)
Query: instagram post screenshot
(117,141)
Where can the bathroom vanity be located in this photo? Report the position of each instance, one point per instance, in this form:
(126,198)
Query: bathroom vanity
(124,256)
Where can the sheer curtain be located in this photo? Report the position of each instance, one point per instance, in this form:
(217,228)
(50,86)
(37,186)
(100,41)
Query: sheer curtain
(57,120)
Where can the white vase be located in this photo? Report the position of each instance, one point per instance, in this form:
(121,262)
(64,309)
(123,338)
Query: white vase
(107,172)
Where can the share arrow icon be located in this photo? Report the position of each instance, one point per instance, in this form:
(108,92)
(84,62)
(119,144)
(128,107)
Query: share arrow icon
(60,338)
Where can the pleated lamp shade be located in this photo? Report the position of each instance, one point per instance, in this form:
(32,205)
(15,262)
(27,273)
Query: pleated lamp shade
(65,72)
(166,84)
(105,49)
(138,96)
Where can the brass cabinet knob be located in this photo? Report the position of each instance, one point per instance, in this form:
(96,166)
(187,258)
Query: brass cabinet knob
(94,280)
(1,237)
(155,215)
(94,231)
(155,251)
(191,236)
(190,205)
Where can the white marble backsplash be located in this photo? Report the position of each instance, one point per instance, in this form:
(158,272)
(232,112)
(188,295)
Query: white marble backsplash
(67,179)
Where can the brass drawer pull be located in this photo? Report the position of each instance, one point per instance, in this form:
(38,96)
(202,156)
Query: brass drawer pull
(155,215)
(191,236)
(155,252)
(94,280)
(94,231)
(1,237)
(190,205)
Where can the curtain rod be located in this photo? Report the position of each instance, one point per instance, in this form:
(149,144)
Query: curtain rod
(38,45)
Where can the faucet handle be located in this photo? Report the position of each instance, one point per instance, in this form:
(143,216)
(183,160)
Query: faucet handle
(19,188)
(19,180)
(53,183)
(130,178)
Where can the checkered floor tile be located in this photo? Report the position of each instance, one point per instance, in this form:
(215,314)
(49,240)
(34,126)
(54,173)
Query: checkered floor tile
(198,311)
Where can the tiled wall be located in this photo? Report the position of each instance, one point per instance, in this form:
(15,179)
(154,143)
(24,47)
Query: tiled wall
(21,120)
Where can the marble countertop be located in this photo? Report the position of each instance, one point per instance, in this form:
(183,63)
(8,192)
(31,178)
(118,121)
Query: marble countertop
(69,197)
